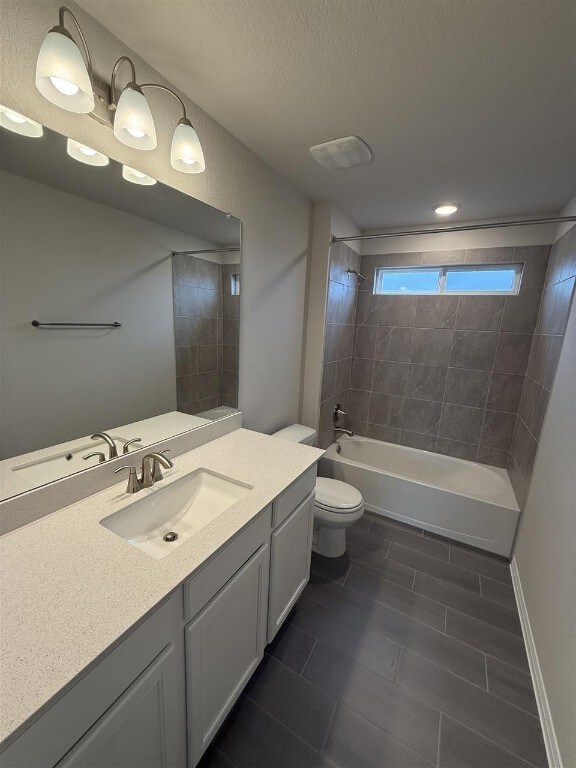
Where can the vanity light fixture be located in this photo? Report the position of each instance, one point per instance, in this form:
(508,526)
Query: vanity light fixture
(136,177)
(446,209)
(85,154)
(14,121)
(68,81)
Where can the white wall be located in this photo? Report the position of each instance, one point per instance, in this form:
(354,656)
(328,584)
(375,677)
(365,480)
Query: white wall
(66,258)
(327,220)
(545,550)
(274,216)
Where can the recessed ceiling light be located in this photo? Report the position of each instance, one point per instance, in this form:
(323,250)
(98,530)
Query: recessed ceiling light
(85,154)
(446,209)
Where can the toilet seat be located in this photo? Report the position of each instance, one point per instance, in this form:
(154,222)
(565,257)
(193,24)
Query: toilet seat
(336,496)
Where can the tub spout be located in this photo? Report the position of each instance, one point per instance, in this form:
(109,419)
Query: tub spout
(348,432)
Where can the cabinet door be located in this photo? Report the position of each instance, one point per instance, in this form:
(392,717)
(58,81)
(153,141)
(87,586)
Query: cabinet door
(289,563)
(224,644)
(145,727)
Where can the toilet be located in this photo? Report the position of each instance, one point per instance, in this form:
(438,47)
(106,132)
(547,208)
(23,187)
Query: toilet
(338,505)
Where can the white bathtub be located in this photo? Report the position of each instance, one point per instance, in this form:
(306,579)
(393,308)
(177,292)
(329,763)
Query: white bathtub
(469,502)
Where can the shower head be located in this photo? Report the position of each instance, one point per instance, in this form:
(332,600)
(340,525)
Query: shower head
(359,277)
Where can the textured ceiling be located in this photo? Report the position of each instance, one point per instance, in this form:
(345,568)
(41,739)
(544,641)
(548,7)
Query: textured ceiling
(465,100)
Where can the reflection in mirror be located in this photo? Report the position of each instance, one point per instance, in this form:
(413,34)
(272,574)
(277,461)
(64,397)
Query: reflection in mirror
(134,292)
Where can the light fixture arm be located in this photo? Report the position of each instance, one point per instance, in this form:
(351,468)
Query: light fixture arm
(62,11)
(114,76)
(168,90)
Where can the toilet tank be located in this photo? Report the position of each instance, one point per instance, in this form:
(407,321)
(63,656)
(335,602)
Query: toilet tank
(297,433)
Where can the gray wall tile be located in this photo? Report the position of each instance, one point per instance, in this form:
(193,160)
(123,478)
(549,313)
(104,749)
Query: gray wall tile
(393,343)
(473,349)
(389,377)
(421,416)
(361,373)
(479,313)
(436,312)
(431,346)
(386,410)
(459,422)
(426,382)
(521,312)
(466,387)
(505,392)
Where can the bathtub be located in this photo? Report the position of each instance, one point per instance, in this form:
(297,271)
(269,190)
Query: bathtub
(468,502)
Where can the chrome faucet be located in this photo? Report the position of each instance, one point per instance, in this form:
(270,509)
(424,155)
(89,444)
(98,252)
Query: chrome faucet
(151,471)
(348,432)
(112,450)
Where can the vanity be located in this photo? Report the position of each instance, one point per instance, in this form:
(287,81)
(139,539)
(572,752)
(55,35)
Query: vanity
(115,657)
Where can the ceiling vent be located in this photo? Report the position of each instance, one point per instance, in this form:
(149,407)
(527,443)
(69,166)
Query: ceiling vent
(342,153)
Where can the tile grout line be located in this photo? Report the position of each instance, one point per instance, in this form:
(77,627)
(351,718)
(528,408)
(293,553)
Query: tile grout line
(466,725)
(316,641)
(428,627)
(439,737)
(285,725)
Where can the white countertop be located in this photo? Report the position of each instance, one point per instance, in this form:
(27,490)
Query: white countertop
(70,588)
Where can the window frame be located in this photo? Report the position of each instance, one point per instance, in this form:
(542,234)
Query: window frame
(443,270)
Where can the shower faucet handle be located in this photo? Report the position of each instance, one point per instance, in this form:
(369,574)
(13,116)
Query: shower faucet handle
(338,412)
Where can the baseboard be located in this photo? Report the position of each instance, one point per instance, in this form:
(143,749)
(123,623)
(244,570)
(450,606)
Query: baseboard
(550,740)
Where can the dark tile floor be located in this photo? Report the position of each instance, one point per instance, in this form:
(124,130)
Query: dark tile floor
(407,651)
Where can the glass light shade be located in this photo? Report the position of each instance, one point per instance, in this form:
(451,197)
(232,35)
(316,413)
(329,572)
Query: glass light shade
(61,73)
(186,153)
(14,121)
(85,154)
(133,122)
(137,177)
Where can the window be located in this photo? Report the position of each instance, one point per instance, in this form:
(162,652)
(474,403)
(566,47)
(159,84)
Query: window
(235,284)
(468,279)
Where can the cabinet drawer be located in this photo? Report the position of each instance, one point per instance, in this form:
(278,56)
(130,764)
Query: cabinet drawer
(201,588)
(287,502)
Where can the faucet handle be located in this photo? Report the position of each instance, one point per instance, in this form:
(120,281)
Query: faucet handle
(129,443)
(101,457)
(337,413)
(134,484)
(157,469)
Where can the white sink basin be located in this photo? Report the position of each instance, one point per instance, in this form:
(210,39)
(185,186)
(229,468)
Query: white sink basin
(183,507)
(64,462)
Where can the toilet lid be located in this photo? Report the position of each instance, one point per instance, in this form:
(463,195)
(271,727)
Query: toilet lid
(336,494)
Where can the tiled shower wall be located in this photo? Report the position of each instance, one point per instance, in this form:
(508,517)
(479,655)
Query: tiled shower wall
(545,352)
(445,373)
(206,334)
(338,337)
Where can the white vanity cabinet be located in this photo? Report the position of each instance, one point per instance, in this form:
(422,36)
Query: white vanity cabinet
(124,710)
(290,553)
(224,645)
(161,693)
(141,728)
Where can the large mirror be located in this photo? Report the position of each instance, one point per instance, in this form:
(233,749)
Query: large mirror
(119,310)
